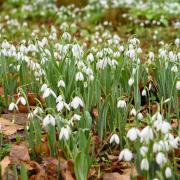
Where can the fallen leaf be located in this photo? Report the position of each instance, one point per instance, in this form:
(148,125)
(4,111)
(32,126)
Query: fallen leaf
(4,164)
(8,128)
(112,158)
(115,176)
(19,152)
(94,112)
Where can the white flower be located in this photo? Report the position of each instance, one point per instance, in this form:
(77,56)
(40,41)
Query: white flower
(49,119)
(22,100)
(64,133)
(144,92)
(131,81)
(133,133)
(79,76)
(48,92)
(61,83)
(146,134)
(12,106)
(133,112)
(60,106)
(174,69)
(121,104)
(143,150)
(157,147)
(177,42)
(126,155)
(174,142)
(140,116)
(161,159)
(178,85)
(90,57)
(77,51)
(76,102)
(165,127)
(76,117)
(151,56)
(114,138)
(145,164)
(44,87)
(168,172)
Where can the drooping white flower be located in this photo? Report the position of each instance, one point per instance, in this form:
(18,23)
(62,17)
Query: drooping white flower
(44,87)
(76,117)
(49,119)
(178,85)
(143,150)
(177,42)
(126,155)
(133,112)
(168,172)
(60,106)
(121,104)
(151,56)
(157,147)
(144,92)
(161,159)
(48,92)
(61,83)
(12,106)
(146,134)
(131,82)
(65,133)
(76,102)
(140,116)
(90,57)
(174,142)
(133,133)
(145,164)
(79,76)
(22,100)
(165,127)
(114,138)
(77,51)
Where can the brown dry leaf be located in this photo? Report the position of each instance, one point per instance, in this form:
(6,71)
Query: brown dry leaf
(115,176)
(112,157)
(130,171)
(174,123)
(20,152)
(94,112)
(9,128)
(4,164)
(19,118)
(1,91)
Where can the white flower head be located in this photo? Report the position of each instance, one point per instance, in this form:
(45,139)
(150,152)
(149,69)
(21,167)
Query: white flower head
(146,134)
(143,150)
(133,134)
(76,117)
(121,104)
(22,100)
(131,82)
(65,133)
(61,83)
(12,106)
(133,112)
(161,159)
(126,155)
(165,127)
(140,116)
(178,85)
(145,164)
(168,172)
(144,92)
(114,138)
(49,119)
(76,102)
(79,76)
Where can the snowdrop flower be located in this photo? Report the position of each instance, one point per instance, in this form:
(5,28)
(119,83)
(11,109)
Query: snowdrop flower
(66,36)
(131,82)
(178,85)
(143,150)
(165,127)
(79,76)
(65,133)
(37,110)
(133,112)
(77,51)
(146,134)
(121,104)
(161,159)
(76,102)
(44,87)
(76,117)
(22,100)
(126,155)
(61,83)
(114,138)
(140,116)
(151,56)
(12,106)
(174,142)
(177,42)
(90,57)
(133,133)
(144,92)
(174,69)
(145,164)
(49,119)
(48,92)
(157,147)
(168,172)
